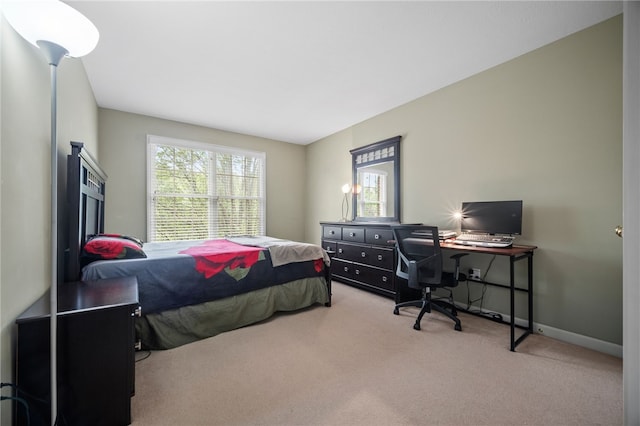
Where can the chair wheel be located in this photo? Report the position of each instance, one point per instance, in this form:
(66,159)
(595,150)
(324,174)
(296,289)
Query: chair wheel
(416,326)
(457,327)
(396,311)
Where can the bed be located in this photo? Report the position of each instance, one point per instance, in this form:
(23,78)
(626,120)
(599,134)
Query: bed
(189,290)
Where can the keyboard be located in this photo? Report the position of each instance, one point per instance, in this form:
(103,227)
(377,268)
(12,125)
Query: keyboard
(484,240)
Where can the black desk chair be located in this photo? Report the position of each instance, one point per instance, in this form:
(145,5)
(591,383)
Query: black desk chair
(420,263)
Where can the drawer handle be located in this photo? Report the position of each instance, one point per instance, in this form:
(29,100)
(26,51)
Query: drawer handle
(346,269)
(380,257)
(357,271)
(332,232)
(340,251)
(384,279)
(363,254)
(377,237)
(352,234)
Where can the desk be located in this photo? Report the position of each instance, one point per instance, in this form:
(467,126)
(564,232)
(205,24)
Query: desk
(515,254)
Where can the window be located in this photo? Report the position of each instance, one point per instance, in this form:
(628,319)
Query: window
(373,199)
(201,191)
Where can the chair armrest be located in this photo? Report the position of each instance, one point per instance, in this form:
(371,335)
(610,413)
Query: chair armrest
(456,257)
(413,266)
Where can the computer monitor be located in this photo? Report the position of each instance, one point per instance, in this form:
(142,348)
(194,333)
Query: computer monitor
(492,217)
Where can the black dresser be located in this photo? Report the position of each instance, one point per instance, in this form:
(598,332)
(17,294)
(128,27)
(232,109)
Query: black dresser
(96,355)
(362,254)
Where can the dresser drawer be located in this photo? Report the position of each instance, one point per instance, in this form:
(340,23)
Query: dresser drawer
(380,278)
(342,269)
(381,258)
(378,236)
(330,247)
(374,256)
(363,274)
(353,234)
(352,252)
(373,277)
(332,232)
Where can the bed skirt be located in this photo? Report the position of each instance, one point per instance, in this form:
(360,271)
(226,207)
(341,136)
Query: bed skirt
(176,327)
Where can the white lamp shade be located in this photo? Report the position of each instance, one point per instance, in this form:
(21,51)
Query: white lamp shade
(54,22)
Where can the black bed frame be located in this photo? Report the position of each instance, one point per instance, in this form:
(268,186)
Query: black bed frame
(86,183)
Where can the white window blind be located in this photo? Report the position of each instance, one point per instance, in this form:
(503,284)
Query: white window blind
(200,191)
(373,199)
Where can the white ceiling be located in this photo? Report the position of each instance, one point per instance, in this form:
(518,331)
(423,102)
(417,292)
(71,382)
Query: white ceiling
(300,71)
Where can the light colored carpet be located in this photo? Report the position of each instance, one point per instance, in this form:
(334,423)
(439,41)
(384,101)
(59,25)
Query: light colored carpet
(356,363)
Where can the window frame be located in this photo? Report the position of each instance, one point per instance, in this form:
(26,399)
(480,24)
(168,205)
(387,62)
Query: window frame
(212,196)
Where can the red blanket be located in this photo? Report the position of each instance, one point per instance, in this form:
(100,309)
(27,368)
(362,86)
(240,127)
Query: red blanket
(213,256)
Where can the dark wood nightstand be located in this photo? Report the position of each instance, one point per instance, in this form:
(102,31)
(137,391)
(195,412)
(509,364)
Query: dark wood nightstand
(96,354)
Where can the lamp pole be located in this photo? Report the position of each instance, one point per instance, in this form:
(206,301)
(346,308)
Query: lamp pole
(54,54)
(58,30)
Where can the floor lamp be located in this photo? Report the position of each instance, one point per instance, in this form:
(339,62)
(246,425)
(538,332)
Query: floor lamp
(59,31)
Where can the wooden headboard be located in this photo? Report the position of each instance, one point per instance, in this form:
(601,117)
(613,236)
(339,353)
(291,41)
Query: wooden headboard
(86,183)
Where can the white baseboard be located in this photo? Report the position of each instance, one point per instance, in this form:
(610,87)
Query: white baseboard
(578,339)
(569,337)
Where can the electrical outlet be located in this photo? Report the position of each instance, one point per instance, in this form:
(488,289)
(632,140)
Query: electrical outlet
(475,273)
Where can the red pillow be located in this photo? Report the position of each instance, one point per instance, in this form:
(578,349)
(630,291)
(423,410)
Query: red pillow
(109,247)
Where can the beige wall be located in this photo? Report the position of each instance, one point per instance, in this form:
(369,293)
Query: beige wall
(552,121)
(553,117)
(25,173)
(123,144)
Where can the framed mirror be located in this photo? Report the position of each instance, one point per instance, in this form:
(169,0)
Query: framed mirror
(376,181)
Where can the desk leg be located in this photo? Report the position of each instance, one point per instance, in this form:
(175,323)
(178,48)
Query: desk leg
(529,329)
(512,303)
(530,293)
